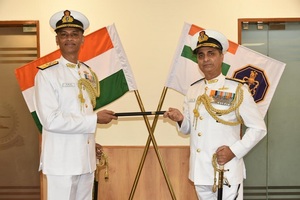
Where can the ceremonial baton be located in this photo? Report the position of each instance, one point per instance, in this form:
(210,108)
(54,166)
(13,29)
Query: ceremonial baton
(123,114)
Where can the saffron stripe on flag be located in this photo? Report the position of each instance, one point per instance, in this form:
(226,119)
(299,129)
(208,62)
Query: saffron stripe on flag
(93,46)
(25,74)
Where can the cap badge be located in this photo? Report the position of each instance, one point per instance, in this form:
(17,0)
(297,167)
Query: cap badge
(67,18)
(202,37)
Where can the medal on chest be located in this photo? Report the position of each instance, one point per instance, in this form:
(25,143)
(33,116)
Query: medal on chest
(221,97)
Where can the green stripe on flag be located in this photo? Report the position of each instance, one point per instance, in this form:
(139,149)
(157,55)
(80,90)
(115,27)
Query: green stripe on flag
(37,121)
(188,53)
(225,68)
(111,88)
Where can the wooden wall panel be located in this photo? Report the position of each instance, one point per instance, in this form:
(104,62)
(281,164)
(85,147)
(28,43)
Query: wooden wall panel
(123,166)
(19,192)
(19,156)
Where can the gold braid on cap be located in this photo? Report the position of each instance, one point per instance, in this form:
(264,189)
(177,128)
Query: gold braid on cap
(214,113)
(93,91)
(68,21)
(205,41)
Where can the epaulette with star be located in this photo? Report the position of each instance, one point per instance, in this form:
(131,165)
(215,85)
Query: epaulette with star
(47,65)
(236,80)
(197,81)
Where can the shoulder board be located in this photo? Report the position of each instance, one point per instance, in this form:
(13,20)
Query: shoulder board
(197,81)
(82,63)
(236,80)
(47,65)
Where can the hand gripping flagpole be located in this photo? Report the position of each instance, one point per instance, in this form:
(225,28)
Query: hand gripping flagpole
(151,138)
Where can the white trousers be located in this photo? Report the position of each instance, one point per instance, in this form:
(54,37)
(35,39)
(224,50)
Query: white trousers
(78,187)
(204,192)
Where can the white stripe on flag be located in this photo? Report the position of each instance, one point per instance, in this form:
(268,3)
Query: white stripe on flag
(122,58)
(28,96)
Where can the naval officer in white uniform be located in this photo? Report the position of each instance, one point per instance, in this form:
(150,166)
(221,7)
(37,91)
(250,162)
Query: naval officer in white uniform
(64,98)
(214,108)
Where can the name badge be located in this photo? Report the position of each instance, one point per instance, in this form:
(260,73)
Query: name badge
(191,100)
(68,84)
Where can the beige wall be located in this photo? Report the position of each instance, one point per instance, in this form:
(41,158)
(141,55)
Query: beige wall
(149,31)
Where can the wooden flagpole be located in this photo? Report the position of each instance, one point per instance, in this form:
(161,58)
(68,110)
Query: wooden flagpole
(151,138)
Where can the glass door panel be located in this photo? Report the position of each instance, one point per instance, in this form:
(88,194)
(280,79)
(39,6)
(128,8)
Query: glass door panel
(273,165)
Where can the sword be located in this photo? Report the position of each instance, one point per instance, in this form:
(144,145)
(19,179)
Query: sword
(220,170)
(102,160)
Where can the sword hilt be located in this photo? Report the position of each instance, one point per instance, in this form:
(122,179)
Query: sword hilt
(221,179)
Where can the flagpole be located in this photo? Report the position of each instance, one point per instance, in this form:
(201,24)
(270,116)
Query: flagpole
(151,138)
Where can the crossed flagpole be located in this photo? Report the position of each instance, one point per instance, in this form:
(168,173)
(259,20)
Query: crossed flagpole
(151,138)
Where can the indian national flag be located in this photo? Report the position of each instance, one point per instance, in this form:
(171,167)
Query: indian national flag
(261,73)
(104,53)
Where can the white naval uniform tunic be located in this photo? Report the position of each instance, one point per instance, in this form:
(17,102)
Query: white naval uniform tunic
(68,141)
(209,134)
